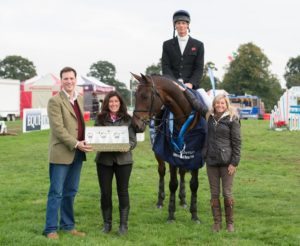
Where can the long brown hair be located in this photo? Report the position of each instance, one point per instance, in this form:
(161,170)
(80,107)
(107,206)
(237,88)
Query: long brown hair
(122,113)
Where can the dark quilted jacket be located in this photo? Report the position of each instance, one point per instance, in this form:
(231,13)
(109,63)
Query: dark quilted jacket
(223,144)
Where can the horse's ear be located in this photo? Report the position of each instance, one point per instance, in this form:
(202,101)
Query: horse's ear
(137,77)
(146,78)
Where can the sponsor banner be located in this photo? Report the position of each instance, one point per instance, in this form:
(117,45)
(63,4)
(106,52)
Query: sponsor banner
(35,120)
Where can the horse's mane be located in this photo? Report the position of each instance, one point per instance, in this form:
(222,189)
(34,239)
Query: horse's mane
(174,93)
(169,93)
(167,77)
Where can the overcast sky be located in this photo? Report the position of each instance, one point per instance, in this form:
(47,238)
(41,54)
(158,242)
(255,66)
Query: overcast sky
(129,33)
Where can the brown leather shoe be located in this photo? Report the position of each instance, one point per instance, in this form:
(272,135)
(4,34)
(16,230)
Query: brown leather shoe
(52,235)
(74,232)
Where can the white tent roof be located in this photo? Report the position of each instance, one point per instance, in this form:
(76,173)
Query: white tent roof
(45,82)
(98,86)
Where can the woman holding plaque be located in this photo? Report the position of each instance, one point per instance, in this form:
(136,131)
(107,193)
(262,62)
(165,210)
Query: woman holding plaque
(118,163)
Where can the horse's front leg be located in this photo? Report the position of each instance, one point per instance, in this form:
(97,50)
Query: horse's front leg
(161,185)
(173,184)
(194,184)
(182,194)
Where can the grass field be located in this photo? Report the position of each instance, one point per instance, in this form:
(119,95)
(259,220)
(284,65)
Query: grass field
(266,190)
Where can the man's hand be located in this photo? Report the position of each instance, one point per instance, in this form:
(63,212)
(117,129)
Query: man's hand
(83,146)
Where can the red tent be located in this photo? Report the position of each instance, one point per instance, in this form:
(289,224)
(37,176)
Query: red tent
(36,91)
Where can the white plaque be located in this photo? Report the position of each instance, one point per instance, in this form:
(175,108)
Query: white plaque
(108,138)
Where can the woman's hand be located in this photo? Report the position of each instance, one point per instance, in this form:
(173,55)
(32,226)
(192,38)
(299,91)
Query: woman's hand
(231,169)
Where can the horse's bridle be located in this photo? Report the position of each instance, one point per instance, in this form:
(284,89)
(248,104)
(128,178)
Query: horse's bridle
(154,93)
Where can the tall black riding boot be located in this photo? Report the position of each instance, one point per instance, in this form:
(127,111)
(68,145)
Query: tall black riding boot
(107,219)
(124,212)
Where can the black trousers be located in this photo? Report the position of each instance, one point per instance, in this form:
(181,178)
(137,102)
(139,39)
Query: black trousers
(105,177)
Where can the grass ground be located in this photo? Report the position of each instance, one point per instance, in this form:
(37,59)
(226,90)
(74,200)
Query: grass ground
(266,191)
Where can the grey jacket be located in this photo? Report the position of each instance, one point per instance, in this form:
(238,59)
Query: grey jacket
(120,158)
(223,144)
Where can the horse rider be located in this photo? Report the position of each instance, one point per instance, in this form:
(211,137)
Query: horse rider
(183,61)
(183,57)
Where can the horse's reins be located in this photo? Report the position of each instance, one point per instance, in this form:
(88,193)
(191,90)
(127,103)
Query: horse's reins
(154,93)
(150,111)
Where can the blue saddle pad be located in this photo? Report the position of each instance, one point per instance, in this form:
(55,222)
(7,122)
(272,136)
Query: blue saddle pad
(191,156)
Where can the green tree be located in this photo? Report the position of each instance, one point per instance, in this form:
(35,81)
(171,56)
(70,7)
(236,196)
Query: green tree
(292,72)
(16,67)
(249,74)
(106,72)
(154,69)
(103,70)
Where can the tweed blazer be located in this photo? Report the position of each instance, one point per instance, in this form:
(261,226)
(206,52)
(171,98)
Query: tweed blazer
(187,66)
(63,128)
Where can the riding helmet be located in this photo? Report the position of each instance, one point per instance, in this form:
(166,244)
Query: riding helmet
(181,15)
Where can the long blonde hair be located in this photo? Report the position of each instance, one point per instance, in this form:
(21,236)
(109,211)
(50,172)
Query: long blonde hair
(230,109)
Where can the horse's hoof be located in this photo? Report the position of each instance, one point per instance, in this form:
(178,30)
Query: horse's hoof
(159,204)
(183,205)
(170,221)
(196,220)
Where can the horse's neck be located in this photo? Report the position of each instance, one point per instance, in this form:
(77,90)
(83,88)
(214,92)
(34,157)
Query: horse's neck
(176,101)
(179,111)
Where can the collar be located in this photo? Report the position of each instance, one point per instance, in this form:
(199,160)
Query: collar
(223,115)
(69,97)
(113,117)
(184,38)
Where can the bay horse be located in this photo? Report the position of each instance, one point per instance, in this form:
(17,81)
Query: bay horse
(161,168)
(153,92)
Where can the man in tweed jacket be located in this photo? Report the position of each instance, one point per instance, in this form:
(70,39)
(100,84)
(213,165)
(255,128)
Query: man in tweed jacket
(67,149)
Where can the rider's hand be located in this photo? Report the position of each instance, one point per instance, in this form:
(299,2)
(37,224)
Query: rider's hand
(189,85)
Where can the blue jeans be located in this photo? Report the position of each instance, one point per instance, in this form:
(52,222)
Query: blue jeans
(64,182)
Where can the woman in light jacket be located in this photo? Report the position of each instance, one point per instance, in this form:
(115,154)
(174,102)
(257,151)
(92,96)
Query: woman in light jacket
(222,157)
(114,113)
